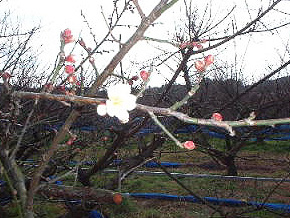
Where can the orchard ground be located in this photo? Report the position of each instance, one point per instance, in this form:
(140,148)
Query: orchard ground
(268,160)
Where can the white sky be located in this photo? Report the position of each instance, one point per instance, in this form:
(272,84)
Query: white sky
(56,15)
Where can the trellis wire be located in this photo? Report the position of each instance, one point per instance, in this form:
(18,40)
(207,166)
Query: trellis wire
(241,178)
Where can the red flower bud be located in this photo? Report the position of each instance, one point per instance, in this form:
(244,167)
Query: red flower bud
(190,145)
(66,36)
(217,116)
(135,78)
(200,66)
(70,59)
(69,69)
(144,75)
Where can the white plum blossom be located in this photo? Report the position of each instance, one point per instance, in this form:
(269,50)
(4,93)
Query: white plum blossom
(120,102)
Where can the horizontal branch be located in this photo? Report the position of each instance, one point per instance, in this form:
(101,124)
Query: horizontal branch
(157,110)
(57,97)
(81,193)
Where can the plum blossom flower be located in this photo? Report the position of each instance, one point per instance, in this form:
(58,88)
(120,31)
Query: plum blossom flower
(120,102)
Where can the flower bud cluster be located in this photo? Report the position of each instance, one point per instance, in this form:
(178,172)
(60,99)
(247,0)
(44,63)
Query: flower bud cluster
(69,68)
(197,45)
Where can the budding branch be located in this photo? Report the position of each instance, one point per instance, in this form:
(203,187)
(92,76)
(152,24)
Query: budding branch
(156,110)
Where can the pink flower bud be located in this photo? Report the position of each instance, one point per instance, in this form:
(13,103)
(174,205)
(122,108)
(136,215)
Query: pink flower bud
(200,66)
(82,43)
(72,79)
(217,117)
(130,82)
(199,46)
(66,36)
(194,44)
(208,60)
(135,78)
(190,145)
(6,75)
(69,142)
(69,69)
(144,75)
(183,45)
(70,59)
(91,60)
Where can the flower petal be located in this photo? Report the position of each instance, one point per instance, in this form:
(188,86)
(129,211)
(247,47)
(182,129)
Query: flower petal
(123,116)
(102,109)
(131,102)
(111,111)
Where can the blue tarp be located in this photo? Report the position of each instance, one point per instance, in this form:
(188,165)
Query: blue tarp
(187,129)
(153,164)
(217,201)
(95,214)
(193,128)
(87,162)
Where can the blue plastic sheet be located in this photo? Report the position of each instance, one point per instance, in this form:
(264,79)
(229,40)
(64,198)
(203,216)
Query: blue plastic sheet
(153,164)
(217,201)
(95,214)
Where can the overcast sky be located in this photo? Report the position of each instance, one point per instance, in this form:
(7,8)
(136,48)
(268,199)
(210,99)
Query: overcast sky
(56,15)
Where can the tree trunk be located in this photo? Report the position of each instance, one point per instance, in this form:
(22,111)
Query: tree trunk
(231,166)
